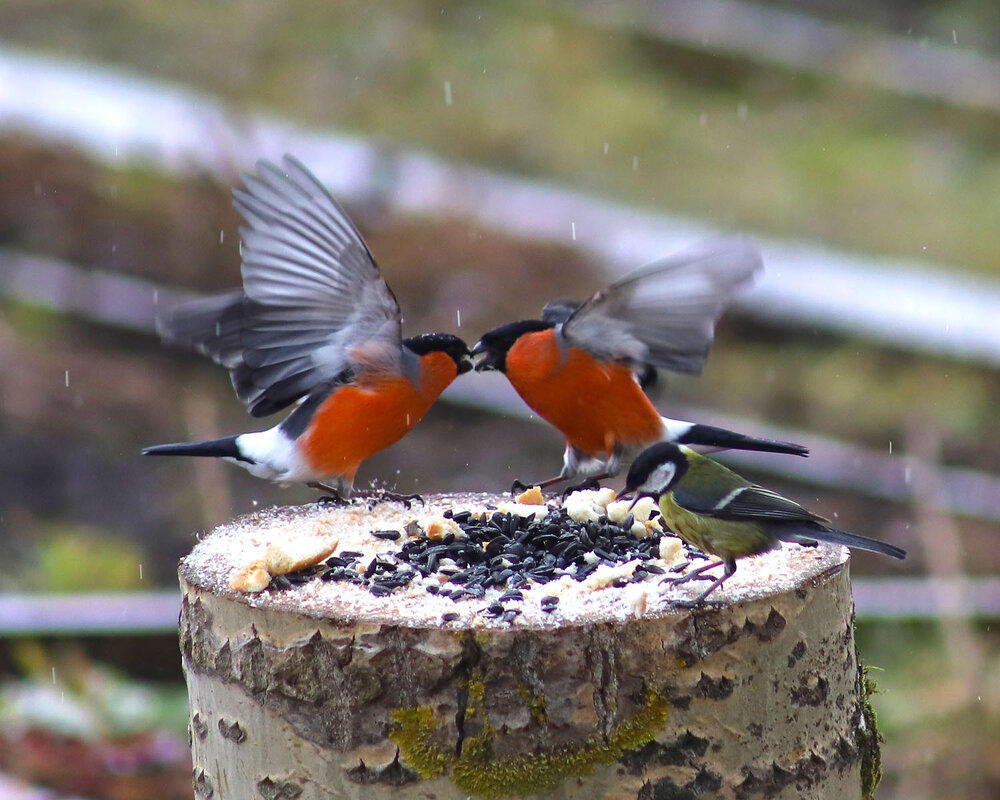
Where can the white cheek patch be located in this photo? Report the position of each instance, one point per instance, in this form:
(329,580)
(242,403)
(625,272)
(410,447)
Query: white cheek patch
(659,479)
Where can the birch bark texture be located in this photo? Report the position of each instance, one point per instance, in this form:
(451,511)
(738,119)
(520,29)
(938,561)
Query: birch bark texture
(325,691)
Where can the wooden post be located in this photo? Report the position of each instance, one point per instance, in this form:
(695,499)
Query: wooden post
(324,690)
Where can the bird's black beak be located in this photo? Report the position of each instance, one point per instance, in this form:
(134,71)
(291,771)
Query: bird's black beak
(488,361)
(464,365)
(624,494)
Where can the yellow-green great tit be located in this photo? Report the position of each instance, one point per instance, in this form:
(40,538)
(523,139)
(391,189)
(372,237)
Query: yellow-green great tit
(716,510)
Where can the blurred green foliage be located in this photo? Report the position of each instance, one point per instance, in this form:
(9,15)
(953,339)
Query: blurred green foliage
(537,90)
(76,558)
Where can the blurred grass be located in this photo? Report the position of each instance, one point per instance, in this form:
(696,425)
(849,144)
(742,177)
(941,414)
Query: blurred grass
(536,91)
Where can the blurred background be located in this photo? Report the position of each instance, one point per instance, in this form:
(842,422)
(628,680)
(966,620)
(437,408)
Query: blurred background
(497,156)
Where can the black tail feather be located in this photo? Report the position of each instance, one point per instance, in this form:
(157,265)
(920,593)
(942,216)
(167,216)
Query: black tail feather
(722,439)
(225,447)
(833,536)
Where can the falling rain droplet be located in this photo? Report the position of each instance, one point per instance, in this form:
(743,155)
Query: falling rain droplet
(140,570)
(53,675)
(954,36)
(572,226)
(890,447)
(222,236)
(67,379)
(407,420)
(635,163)
(458,317)
(447,93)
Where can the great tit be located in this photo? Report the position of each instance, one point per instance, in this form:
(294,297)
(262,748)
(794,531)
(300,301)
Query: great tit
(719,512)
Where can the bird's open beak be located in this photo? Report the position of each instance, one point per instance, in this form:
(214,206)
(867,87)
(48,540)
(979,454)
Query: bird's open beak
(624,494)
(464,366)
(485,363)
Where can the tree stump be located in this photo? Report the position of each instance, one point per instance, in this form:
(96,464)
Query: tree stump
(344,680)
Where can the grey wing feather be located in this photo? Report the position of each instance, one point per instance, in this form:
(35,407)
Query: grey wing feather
(663,315)
(311,294)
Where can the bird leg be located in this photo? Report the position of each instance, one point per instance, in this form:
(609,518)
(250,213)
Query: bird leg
(727,573)
(593,482)
(330,495)
(518,486)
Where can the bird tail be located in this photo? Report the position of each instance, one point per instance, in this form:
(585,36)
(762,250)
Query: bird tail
(708,436)
(833,536)
(226,447)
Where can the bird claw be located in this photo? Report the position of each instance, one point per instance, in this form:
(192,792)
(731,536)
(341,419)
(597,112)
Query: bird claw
(376,496)
(330,495)
(589,483)
(332,500)
(517,487)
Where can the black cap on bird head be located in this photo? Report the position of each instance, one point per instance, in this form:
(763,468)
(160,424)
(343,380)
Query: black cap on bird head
(441,343)
(498,341)
(656,470)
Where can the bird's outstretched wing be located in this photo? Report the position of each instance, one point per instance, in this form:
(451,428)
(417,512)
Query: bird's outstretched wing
(313,298)
(662,315)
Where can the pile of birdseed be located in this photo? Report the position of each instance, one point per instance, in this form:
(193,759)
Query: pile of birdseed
(474,560)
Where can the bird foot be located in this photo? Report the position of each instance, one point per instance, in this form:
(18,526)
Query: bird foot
(376,496)
(330,495)
(589,483)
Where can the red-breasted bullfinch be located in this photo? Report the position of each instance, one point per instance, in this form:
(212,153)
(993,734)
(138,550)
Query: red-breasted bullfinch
(315,323)
(582,366)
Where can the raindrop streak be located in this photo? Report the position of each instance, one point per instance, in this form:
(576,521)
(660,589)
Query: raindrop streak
(890,447)
(954,36)
(605,148)
(222,236)
(572,226)
(53,676)
(635,163)
(447,93)
(458,316)
(140,570)
(67,379)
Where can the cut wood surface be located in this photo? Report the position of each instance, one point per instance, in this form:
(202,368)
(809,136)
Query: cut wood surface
(319,688)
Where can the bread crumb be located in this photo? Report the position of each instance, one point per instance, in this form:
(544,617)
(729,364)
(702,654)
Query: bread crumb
(671,549)
(439,527)
(252,577)
(588,505)
(283,557)
(531,497)
(637,599)
(605,575)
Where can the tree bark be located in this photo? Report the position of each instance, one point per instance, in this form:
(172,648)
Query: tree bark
(760,695)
